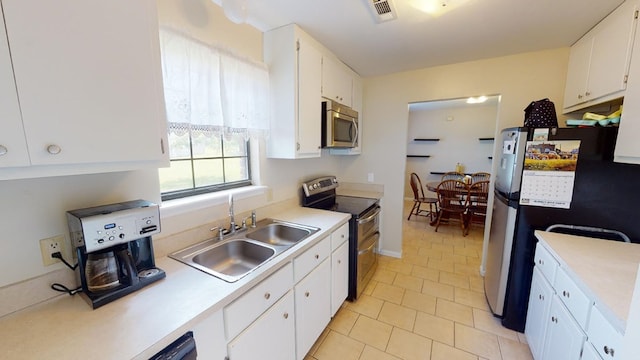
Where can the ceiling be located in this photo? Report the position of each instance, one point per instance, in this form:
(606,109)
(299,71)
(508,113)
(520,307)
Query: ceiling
(466,30)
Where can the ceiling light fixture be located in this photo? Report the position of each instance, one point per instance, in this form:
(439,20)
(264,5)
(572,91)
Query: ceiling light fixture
(235,10)
(476,100)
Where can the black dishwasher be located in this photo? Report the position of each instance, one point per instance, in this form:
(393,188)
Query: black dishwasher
(182,349)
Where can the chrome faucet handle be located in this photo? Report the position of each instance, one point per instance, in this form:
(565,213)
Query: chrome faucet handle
(220,231)
(254,218)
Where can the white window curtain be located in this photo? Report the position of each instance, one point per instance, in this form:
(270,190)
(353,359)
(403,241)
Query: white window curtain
(211,91)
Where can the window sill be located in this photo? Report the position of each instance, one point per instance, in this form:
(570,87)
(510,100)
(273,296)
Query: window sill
(180,206)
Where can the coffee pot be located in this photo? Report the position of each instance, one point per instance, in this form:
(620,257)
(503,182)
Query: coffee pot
(114,249)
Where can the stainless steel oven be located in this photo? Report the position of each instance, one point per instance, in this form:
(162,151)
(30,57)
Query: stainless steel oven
(364,235)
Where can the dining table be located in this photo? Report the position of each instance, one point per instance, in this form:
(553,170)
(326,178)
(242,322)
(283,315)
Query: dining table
(433,186)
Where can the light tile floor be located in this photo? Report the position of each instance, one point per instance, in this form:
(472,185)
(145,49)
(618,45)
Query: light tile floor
(429,305)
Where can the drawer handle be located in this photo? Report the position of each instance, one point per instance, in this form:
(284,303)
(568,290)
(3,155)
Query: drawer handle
(554,319)
(317,256)
(565,293)
(608,350)
(307,294)
(285,315)
(540,262)
(339,261)
(267,296)
(540,297)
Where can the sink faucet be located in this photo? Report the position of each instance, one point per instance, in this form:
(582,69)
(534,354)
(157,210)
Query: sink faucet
(232,222)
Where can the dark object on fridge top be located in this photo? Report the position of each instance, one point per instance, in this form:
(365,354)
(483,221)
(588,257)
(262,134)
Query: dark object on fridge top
(604,196)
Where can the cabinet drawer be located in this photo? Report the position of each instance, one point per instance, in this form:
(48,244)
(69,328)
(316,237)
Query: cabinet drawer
(339,236)
(546,263)
(574,299)
(242,312)
(603,336)
(303,264)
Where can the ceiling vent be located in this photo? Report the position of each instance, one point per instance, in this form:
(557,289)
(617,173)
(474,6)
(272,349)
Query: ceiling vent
(383,10)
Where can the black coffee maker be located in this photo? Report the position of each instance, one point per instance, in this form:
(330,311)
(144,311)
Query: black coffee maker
(114,249)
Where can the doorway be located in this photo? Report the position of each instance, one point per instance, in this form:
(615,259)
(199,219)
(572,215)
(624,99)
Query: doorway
(442,134)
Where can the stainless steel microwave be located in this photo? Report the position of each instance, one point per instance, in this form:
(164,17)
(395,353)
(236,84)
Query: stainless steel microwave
(339,125)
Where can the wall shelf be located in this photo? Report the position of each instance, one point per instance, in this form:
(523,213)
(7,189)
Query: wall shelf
(418,156)
(425,139)
(486,139)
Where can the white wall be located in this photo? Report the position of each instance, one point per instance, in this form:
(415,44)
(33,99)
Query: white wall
(519,79)
(458,129)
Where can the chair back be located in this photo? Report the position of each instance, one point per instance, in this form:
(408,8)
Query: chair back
(452,175)
(452,195)
(416,186)
(479,193)
(480,176)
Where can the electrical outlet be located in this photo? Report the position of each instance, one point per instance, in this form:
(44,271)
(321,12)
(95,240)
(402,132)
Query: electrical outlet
(49,246)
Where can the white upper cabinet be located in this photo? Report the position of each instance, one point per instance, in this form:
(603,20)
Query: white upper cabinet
(89,84)
(627,148)
(337,82)
(13,146)
(357,106)
(599,61)
(295,68)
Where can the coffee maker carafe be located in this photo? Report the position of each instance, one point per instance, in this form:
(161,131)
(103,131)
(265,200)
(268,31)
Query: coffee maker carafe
(114,249)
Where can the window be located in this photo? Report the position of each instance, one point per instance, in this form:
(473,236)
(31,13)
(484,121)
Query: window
(215,102)
(203,163)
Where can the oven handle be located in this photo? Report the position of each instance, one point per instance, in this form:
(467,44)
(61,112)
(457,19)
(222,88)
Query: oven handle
(373,243)
(370,217)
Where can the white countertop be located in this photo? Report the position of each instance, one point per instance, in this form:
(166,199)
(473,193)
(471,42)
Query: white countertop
(606,269)
(140,324)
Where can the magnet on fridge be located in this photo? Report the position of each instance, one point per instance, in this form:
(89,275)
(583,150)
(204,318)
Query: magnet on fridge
(509,147)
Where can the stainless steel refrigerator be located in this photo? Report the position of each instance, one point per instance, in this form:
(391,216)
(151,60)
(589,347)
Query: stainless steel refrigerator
(604,196)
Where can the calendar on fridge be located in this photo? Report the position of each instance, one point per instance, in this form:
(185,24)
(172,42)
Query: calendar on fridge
(549,172)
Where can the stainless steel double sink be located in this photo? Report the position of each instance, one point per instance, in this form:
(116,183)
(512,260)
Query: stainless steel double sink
(234,257)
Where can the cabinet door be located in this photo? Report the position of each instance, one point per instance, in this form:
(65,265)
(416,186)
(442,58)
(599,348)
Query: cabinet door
(88,78)
(336,81)
(270,337)
(578,72)
(589,353)
(564,337)
(611,53)
(538,313)
(627,149)
(309,104)
(339,276)
(357,106)
(313,306)
(13,146)
(209,335)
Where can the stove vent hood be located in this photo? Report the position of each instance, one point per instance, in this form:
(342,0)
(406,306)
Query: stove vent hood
(383,10)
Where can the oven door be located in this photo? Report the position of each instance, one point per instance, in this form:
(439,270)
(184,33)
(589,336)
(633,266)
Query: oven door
(367,261)
(368,223)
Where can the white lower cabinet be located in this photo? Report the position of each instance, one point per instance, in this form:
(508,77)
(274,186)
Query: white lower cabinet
(563,319)
(312,307)
(564,337)
(209,336)
(538,314)
(589,353)
(270,337)
(281,317)
(339,276)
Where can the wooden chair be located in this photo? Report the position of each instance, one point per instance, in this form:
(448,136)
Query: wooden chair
(419,199)
(452,175)
(480,176)
(453,196)
(477,203)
